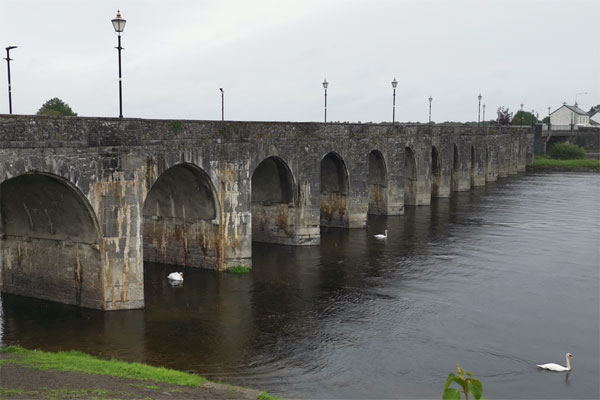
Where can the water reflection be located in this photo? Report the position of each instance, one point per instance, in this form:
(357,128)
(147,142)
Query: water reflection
(495,279)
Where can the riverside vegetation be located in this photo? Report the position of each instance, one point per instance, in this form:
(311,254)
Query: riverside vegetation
(151,381)
(565,157)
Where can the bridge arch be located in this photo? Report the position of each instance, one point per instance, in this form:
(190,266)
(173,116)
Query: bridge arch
(436,172)
(334,188)
(377,182)
(410,177)
(455,171)
(50,241)
(180,219)
(273,198)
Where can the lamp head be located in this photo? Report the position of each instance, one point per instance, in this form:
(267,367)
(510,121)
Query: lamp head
(118,23)
(479,97)
(394,83)
(325,83)
(11,47)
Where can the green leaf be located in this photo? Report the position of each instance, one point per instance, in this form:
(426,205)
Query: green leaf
(451,394)
(449,380)
(475,387)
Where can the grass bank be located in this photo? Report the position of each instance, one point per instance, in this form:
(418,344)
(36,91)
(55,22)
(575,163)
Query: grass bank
(548,164)
(77,362)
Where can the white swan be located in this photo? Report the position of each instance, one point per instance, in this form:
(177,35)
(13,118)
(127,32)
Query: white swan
(380,236)
(556,367)
(176,276)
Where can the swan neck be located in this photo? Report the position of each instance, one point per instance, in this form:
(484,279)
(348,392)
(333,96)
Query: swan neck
(568,364)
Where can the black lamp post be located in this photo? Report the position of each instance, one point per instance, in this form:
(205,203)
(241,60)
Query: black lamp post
(222,104)
(8,60)
(394,84)
(430,100)
(479,110)
(532,117)
(484,115)
(521,119)
(119,25)
(325,84)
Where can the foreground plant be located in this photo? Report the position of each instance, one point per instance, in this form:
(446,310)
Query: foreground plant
(466,383)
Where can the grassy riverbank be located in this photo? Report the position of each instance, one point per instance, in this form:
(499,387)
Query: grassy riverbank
(112,378)
(548,164)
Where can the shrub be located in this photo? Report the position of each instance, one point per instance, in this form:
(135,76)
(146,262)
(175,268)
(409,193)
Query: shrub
(567,151)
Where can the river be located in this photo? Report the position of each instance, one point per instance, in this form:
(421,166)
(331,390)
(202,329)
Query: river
(497,279)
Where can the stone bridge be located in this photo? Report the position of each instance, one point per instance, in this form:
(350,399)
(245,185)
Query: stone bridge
(84,201)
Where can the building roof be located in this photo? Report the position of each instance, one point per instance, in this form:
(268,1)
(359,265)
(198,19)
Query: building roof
(574,108)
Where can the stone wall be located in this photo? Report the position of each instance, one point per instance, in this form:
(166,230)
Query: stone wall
(196,193)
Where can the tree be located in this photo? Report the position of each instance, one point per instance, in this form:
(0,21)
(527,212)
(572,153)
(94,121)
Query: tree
(56,107)
(546,120)
(504,116)
(524,118)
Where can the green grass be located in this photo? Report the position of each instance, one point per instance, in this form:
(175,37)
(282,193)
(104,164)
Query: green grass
(239,270)
(75,361)
(267,396)
(584,164)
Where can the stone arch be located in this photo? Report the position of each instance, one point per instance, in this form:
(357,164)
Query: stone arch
(273,202)
(335,188)
(180,219)
(455,172)
(377,182)
(50,241)
(410,177)
(436,173)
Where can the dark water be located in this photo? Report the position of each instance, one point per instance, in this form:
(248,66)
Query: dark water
(496,279)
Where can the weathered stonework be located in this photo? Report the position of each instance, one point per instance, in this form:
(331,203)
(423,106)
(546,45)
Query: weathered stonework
(84,201)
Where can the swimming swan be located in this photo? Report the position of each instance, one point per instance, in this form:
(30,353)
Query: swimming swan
(556,367)
(176,276)
(380,236)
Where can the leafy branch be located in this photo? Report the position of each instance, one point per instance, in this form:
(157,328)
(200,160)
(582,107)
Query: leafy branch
(465,382)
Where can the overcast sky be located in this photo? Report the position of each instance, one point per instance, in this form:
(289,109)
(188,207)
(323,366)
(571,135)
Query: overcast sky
(270,56)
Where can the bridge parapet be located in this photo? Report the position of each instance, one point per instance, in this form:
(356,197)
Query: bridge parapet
(196,193)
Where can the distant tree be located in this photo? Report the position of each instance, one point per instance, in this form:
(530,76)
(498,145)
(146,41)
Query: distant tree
(55,107)
(524,118)
(546,120)
(594,109)
(504,116)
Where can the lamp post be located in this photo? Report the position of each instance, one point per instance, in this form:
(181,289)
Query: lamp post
(484,115)
(8,60)
(577,94)
(430,100)
(521,119)
(325,84)
(222,104)
(119,25)
(394,84)
(479,109)
(532,117)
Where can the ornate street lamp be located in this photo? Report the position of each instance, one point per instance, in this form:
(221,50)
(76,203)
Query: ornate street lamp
(8,60)
(325,84)
(430,100)
(479,110)
(119,25)
(222,104)
(394,84)
(521,119)
(484,115)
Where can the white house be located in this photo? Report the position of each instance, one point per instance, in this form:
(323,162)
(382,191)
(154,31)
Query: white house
(567,115)
(595,117)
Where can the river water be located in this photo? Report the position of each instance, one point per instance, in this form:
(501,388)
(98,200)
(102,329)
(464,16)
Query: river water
(496,279)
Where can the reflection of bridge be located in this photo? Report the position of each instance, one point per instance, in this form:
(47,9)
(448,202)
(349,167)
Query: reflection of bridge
(84,201)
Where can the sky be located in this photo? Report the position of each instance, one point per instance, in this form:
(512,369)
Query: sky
(271,57)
